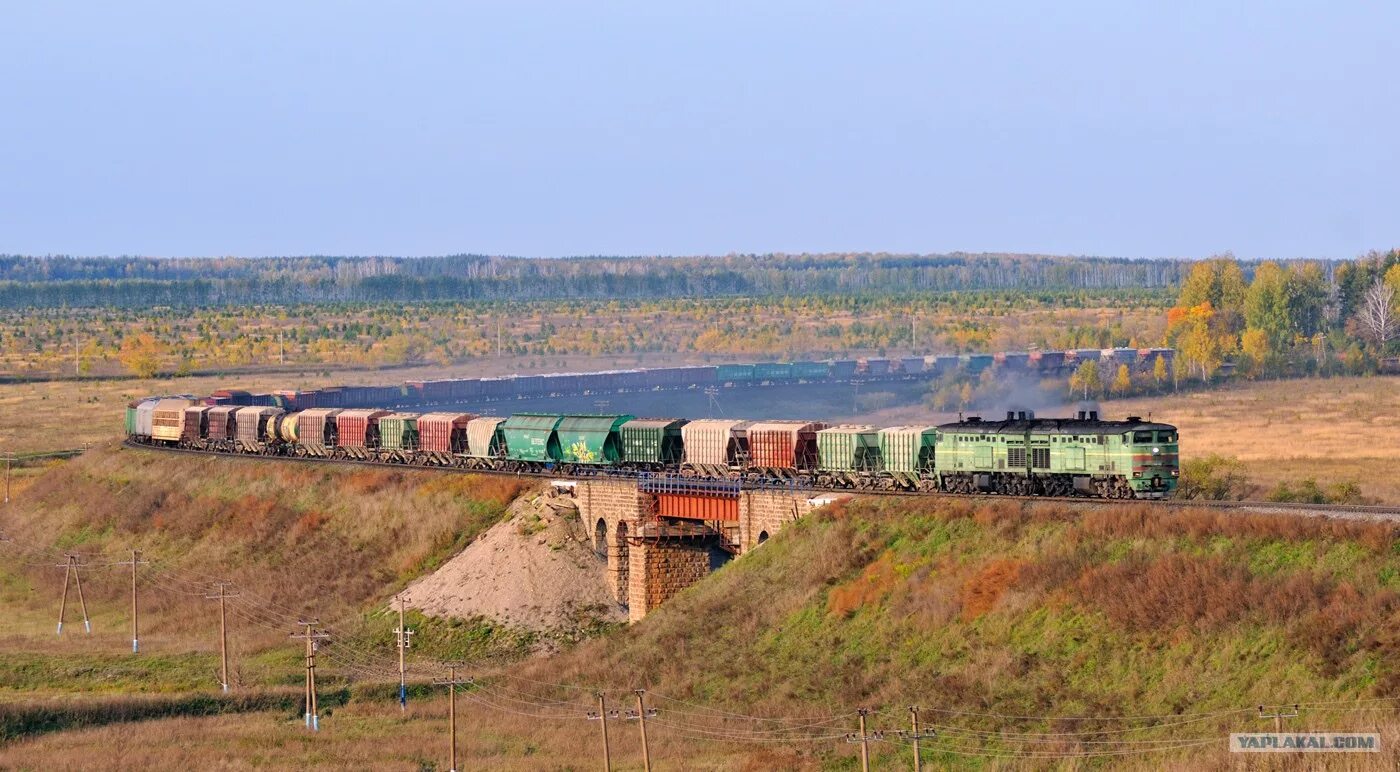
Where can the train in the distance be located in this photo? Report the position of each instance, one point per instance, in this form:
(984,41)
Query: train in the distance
(1018,455)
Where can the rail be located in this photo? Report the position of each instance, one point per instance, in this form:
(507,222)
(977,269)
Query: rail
(1350,511)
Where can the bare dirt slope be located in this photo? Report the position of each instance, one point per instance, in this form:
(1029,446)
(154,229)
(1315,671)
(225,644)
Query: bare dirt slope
(535,570)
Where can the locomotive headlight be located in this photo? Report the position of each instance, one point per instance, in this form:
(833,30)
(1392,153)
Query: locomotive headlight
(1156,451)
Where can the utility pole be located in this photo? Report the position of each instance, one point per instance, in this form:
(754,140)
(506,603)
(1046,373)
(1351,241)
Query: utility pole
(223,633)
(8,460)
(864,739)
(402,640)
(135,610)
(70,569)
(1278,713)
(640,715)
(915,735)
(313,717)
(281,351)
(603,717)
(452,683)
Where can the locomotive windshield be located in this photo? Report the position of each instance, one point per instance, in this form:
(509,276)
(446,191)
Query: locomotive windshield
(1142,437)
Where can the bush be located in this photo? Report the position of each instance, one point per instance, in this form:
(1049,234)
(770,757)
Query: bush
(1213,477)
(1309,492)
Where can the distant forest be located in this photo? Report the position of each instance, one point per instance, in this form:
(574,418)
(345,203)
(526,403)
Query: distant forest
(133,282)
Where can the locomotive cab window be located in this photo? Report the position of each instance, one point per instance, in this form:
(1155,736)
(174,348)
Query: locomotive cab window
(1166,436)
(1142,437)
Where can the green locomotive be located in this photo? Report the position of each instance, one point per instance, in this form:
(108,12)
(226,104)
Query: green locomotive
(1025,455)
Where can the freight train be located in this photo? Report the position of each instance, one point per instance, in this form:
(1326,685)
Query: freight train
(1021,455)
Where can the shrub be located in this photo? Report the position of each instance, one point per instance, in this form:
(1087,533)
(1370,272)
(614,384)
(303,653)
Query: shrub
(1213,477)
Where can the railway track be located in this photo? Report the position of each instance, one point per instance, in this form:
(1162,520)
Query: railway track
(1340,511)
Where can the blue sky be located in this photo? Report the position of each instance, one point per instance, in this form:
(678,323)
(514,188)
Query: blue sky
(1115,128)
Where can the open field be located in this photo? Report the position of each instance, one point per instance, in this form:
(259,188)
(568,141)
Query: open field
(1332,430)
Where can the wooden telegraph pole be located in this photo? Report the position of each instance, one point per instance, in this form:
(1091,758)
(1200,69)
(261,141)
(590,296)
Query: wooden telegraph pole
(70,570)
(1278,714)
(402,638)
(135,609)
(641,714)
(916,735)
(603,717)
(452,682)
(223,632)
(864,739)
(313,717)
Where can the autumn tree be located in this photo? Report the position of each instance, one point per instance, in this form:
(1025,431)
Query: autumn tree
(1376,317)
(1220,283)
(1266,307)
(142,355)
(1123,380)
(1086,378)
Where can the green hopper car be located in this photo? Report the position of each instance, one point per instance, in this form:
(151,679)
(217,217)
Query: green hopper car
(590,439)
(530,437)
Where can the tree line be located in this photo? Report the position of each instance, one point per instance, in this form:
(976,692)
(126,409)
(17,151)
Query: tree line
(48,282)
(1275,319)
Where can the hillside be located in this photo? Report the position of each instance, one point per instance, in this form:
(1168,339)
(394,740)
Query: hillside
(1021,630)
(328,542)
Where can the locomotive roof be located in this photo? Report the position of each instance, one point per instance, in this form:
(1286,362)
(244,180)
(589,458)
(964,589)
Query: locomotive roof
(1053,426)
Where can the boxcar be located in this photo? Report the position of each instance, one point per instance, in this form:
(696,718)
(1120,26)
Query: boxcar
(713,445)
(772,371)
(649,443)
(907,454)
(734,374)
(316,431)
(849,455)
(782,447)
(251,427)
(168,419)
(195,425)
(443,434)
(486,437)
(811,371)
(358,431)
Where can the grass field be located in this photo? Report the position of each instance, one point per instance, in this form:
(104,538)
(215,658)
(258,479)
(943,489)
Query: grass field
(986,614)
(1332,430)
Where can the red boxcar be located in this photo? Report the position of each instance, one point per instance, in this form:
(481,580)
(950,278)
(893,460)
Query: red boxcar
(359,428)
(784,444)
(443,432)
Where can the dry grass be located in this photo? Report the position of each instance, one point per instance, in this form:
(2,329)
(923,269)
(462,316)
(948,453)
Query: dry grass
(322,541)
(1331,430)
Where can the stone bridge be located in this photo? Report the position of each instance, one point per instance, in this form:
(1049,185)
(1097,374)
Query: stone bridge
(660,541)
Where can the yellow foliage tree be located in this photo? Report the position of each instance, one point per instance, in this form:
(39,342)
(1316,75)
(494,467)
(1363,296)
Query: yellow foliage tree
(1123,380)
(141,355)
